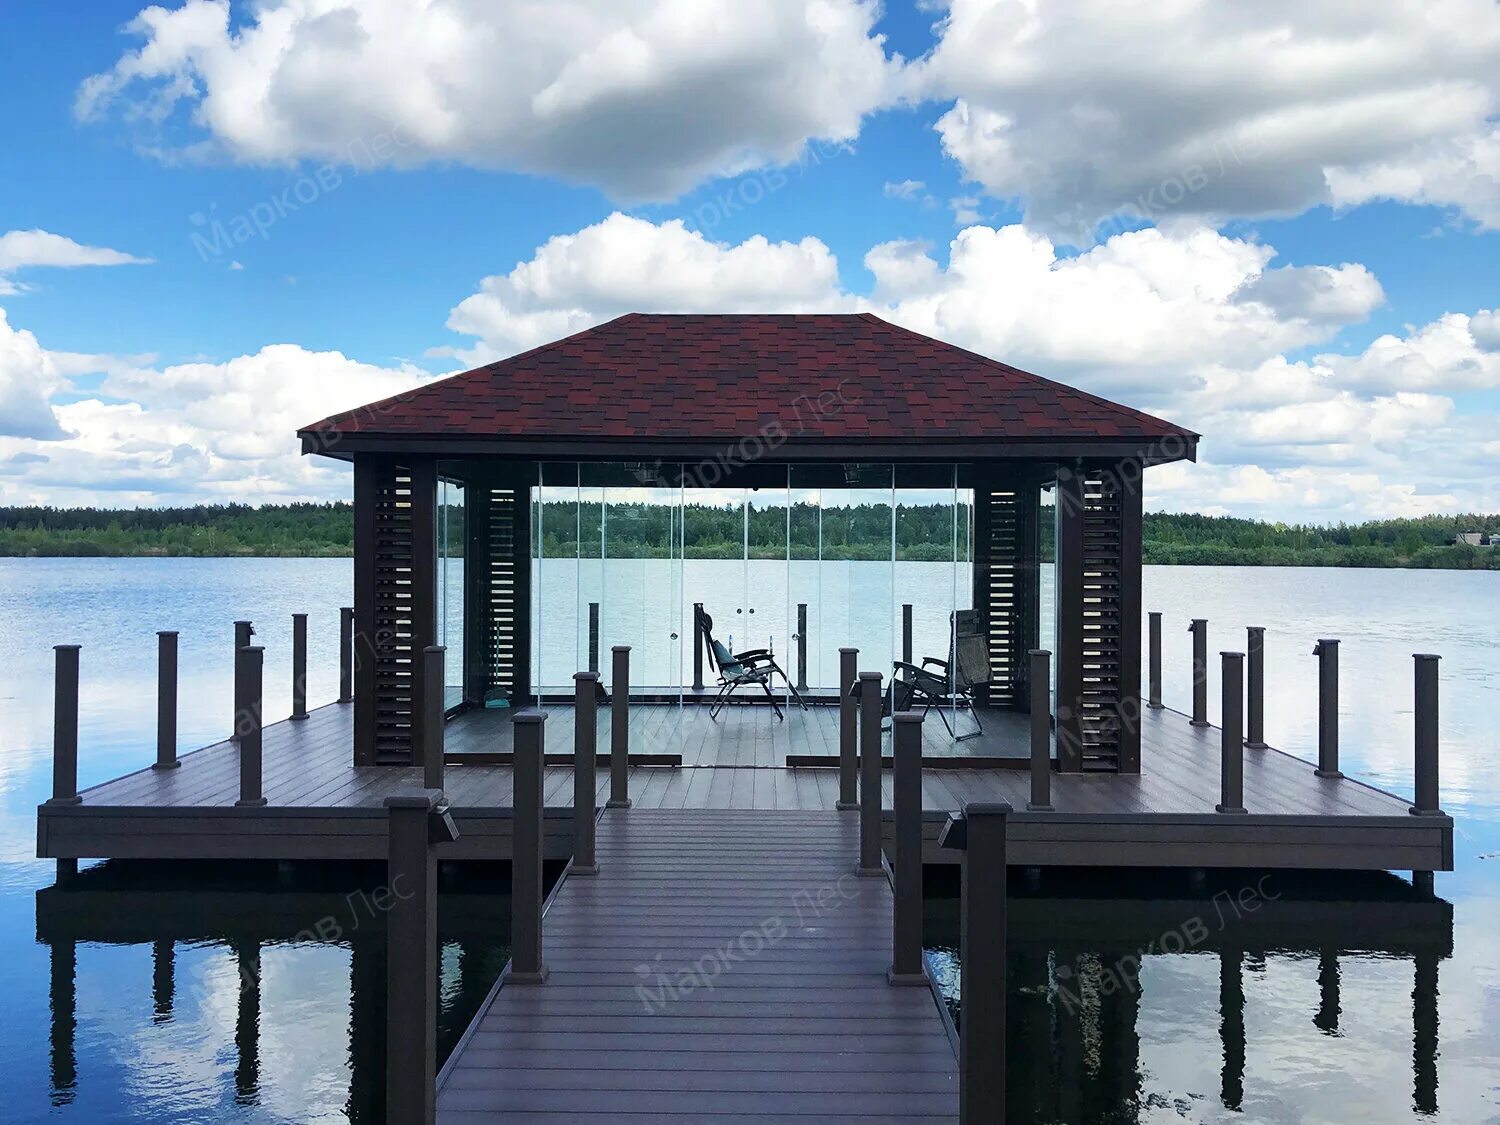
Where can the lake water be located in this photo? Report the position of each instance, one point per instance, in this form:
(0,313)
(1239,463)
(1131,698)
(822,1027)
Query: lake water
(312,1050)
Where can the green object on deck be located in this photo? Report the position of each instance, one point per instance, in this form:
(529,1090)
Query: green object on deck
(495,698)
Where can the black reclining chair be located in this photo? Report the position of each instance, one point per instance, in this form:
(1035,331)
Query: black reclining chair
(950,683)
(754,666)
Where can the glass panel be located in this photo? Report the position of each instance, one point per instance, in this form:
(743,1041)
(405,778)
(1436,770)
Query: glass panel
(1047,550)
(555,524)
(857,570)
(769,623)
(713,538)
(450,587)
(805,586)
(927,570)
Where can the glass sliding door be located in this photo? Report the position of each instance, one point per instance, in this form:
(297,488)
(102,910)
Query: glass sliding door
(858,568)
(450,587)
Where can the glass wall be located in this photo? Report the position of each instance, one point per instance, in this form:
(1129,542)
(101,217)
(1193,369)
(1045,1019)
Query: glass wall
(814,556)
(450,587)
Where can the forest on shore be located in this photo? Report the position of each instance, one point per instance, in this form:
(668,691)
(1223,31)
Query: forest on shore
(635,530)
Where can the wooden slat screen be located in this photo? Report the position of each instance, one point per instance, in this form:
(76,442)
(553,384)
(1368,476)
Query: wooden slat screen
(1103,570)
(505,614)
(999,593)
(393,640)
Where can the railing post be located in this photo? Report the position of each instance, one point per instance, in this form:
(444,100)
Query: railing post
(619,731)
(869,774)
(697,646)
(980,833)
(906,918)
(1041,731)
(411,973)
(1153,661)
(1255,707)
(1327,652)
(346,655)
(585,770)
(1426,735)
(249,669)
(1232,741)
(801,646)
(593,636)
(1199,629)
(434,660)
(906,645)
(526,965)
(166,701)
(243,631)
(848,728)
(299,666)
(65,727)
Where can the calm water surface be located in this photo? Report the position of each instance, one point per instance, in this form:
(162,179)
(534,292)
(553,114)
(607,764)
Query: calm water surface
(1333,1001)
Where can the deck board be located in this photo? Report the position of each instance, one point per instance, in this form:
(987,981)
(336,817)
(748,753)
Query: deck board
(679,885)
(319,805)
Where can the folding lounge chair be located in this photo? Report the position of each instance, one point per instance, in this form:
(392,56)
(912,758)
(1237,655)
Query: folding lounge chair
(950,683)
(753,666)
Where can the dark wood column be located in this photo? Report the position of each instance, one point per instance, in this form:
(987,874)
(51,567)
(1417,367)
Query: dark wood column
(1131,546)
(395,602)
(1007,577)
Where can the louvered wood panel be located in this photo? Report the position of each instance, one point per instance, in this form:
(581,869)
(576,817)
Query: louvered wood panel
(505,614)
(1103,574)
(1000,595)
(393,643)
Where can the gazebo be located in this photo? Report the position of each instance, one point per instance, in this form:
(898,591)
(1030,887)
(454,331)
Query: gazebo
(805,482)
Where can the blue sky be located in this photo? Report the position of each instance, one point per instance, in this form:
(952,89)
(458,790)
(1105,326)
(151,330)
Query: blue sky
(1276,225)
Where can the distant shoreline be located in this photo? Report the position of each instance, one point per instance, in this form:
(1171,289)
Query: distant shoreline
(862,532)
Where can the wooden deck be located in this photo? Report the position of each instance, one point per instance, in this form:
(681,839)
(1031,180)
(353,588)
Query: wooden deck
(319,806)
(722,963)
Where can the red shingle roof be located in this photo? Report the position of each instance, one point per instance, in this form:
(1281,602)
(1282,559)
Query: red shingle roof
(817,377)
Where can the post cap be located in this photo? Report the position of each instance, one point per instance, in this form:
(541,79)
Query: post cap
(166,632)
(66,648)
(257,650)
(1425,656)
(869,675)
(1040,652)
(436,648)
(1232,655)
(955,833)
(586,676)
(846,649)
(530,715)
(906,717)
(1196,622)
(297,615)
(415,799)
(620,648)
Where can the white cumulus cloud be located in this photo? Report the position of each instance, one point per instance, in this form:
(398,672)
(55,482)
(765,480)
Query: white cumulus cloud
(642,97)
(24,249)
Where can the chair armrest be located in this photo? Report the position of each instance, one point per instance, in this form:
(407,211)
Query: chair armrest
(754,654)
(926,660)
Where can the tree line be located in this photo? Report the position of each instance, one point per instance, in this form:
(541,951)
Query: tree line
(931,532)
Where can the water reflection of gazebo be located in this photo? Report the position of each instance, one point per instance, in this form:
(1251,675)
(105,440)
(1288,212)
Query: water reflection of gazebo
(805,477)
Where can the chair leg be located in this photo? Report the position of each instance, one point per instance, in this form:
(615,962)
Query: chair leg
(765,687)
(797,695)
(942,714)
(719,700)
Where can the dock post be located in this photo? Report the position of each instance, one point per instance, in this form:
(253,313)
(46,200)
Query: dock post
(411,973)
(869,774)
(299,666)
(166,701)
(526,966)
(848,729)
(1232,762)
(249,666)
(585,770)
(906,918)
(65,728)
(1426,735)
(243,631)
(906,645)
(1199,629)
(1041,731)
(697,646)
(1255,706)
(979,832)
(801,646)
(434,660)
(1327,652)
(619,731)
(346,654)
(1153,661)
(593,636)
